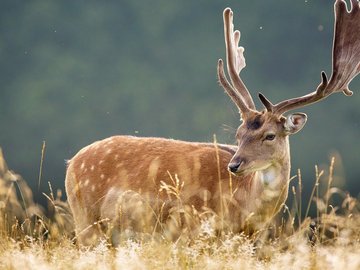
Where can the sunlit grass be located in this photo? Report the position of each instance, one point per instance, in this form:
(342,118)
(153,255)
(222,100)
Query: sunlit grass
(32,237)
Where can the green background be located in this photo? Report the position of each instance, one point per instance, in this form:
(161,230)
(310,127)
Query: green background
(72,72)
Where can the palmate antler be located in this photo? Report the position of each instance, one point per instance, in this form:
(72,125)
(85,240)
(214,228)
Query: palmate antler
(345,66)
(346,60)
(235,63)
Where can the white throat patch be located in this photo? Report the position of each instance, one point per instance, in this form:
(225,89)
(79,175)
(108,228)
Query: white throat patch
(270,177)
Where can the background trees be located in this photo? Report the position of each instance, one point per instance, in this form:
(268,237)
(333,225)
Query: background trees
(77,71)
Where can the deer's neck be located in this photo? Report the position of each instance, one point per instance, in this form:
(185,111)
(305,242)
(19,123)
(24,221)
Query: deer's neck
(268,190)
(271,186)
(274,177)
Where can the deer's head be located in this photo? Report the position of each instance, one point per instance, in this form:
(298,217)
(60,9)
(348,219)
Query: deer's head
(263,135)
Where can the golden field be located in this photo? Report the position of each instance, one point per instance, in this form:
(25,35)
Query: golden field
(36,238)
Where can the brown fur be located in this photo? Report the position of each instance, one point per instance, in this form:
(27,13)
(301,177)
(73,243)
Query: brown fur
(102,171)
(124,178)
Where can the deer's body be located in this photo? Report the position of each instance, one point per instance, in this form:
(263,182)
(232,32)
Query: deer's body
(107,168)
(123,178)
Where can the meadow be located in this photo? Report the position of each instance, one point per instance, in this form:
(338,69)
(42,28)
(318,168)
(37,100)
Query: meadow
(324,236)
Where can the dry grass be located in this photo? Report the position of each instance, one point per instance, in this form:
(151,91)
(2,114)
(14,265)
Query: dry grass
(35,238)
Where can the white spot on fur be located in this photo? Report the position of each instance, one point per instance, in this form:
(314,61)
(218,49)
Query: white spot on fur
(153,168)
(86,182)
(92,168)
(93,188)
(119,164)
(197,168)
(82,165)
(102,176)
(101,162)
(76,188)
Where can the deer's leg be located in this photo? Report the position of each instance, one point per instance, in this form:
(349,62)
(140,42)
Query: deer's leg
(87,227)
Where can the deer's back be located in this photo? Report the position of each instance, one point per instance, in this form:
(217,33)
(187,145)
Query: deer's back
(142,164)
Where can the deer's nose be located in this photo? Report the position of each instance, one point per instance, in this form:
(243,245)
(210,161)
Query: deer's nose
(234,166)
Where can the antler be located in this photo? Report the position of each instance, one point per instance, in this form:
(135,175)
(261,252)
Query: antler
(235,63)
(346,60)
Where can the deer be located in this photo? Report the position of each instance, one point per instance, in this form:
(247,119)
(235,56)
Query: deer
(117,178)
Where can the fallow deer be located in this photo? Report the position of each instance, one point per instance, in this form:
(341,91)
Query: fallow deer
(253,176)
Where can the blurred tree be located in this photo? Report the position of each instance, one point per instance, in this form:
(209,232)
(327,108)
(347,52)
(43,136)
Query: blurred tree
(76,71)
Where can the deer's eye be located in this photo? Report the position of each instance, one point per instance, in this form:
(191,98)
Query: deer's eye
(270,137)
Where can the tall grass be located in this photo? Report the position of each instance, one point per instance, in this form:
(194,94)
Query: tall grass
(34,237)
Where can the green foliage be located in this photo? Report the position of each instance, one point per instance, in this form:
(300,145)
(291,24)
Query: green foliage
(76,71)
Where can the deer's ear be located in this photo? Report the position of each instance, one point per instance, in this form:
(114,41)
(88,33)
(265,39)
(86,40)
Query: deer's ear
(294,122)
